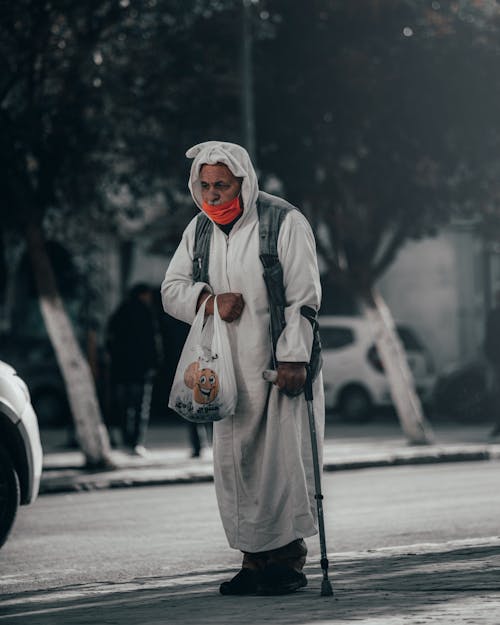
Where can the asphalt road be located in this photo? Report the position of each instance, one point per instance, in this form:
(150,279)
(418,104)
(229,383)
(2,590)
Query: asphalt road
(148,533)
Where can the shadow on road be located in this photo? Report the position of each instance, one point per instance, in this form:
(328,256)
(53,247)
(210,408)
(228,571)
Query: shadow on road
(373,588)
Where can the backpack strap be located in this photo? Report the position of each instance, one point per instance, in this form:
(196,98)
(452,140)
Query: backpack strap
(271,213)
(201,250)
(271,216)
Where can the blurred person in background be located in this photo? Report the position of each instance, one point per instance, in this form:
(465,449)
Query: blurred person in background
(132,350)
(200,437)
(492,351)
(172,336)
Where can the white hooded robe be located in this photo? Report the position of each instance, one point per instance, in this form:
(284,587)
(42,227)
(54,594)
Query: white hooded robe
(263,467)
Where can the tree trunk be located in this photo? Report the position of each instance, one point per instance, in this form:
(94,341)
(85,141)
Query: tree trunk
(90,431)
(401,383)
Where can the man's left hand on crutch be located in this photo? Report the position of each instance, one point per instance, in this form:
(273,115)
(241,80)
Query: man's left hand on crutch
(291,377)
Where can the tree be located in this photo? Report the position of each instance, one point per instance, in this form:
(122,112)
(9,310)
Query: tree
(378,116)
(392,130)
(45,52)
(94,102)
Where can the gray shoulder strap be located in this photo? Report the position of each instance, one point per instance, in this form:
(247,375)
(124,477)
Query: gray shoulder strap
(272,212)
(203,234)
(271,216)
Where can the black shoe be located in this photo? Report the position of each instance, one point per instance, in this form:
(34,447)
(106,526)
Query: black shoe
(278,579)
(243,583)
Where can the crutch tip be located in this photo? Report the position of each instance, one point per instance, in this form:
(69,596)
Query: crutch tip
(326,588)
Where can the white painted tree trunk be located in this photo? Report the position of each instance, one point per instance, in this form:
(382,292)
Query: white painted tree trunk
(91,433)
(402,386)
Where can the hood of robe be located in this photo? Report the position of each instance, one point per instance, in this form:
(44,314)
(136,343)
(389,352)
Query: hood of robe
(235,158)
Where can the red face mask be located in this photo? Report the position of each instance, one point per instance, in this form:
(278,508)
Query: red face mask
(224,214)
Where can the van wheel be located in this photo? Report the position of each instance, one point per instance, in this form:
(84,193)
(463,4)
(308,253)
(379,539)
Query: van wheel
(355,404)
(10,494)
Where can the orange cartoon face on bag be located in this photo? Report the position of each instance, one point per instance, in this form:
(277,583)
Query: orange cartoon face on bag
(204,382)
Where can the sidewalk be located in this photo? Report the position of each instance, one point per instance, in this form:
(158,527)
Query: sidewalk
(452,583)
(377,444)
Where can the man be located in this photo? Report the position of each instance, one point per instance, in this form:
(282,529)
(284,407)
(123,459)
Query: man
(492,350)
(263,465)
(131,343)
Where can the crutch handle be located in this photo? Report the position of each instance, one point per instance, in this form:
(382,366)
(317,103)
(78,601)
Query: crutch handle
(270,375)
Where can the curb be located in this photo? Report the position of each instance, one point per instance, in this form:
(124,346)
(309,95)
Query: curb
(82,480)
(107,481)
(402,460)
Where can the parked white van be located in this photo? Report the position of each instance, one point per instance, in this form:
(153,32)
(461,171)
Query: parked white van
(353,373)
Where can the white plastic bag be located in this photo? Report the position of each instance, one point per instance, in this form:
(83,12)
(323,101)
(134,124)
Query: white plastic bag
(204,387)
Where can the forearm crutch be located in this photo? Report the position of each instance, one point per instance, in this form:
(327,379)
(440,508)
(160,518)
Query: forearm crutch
(271,376)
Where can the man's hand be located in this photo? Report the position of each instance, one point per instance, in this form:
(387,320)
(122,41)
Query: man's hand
(291,377)
(230,305)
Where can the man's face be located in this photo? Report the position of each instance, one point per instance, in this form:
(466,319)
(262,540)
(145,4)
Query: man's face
(218,184)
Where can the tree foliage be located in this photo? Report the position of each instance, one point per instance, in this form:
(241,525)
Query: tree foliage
(98,100)
(379,116)
(382,117)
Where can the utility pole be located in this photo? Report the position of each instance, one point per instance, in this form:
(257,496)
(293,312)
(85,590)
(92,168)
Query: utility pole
(247,100)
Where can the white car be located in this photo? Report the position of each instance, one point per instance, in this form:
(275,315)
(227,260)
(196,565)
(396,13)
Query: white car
(20,448)
(353,374)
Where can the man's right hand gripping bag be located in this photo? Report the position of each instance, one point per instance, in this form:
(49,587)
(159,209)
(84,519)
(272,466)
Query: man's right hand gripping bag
(204,387)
